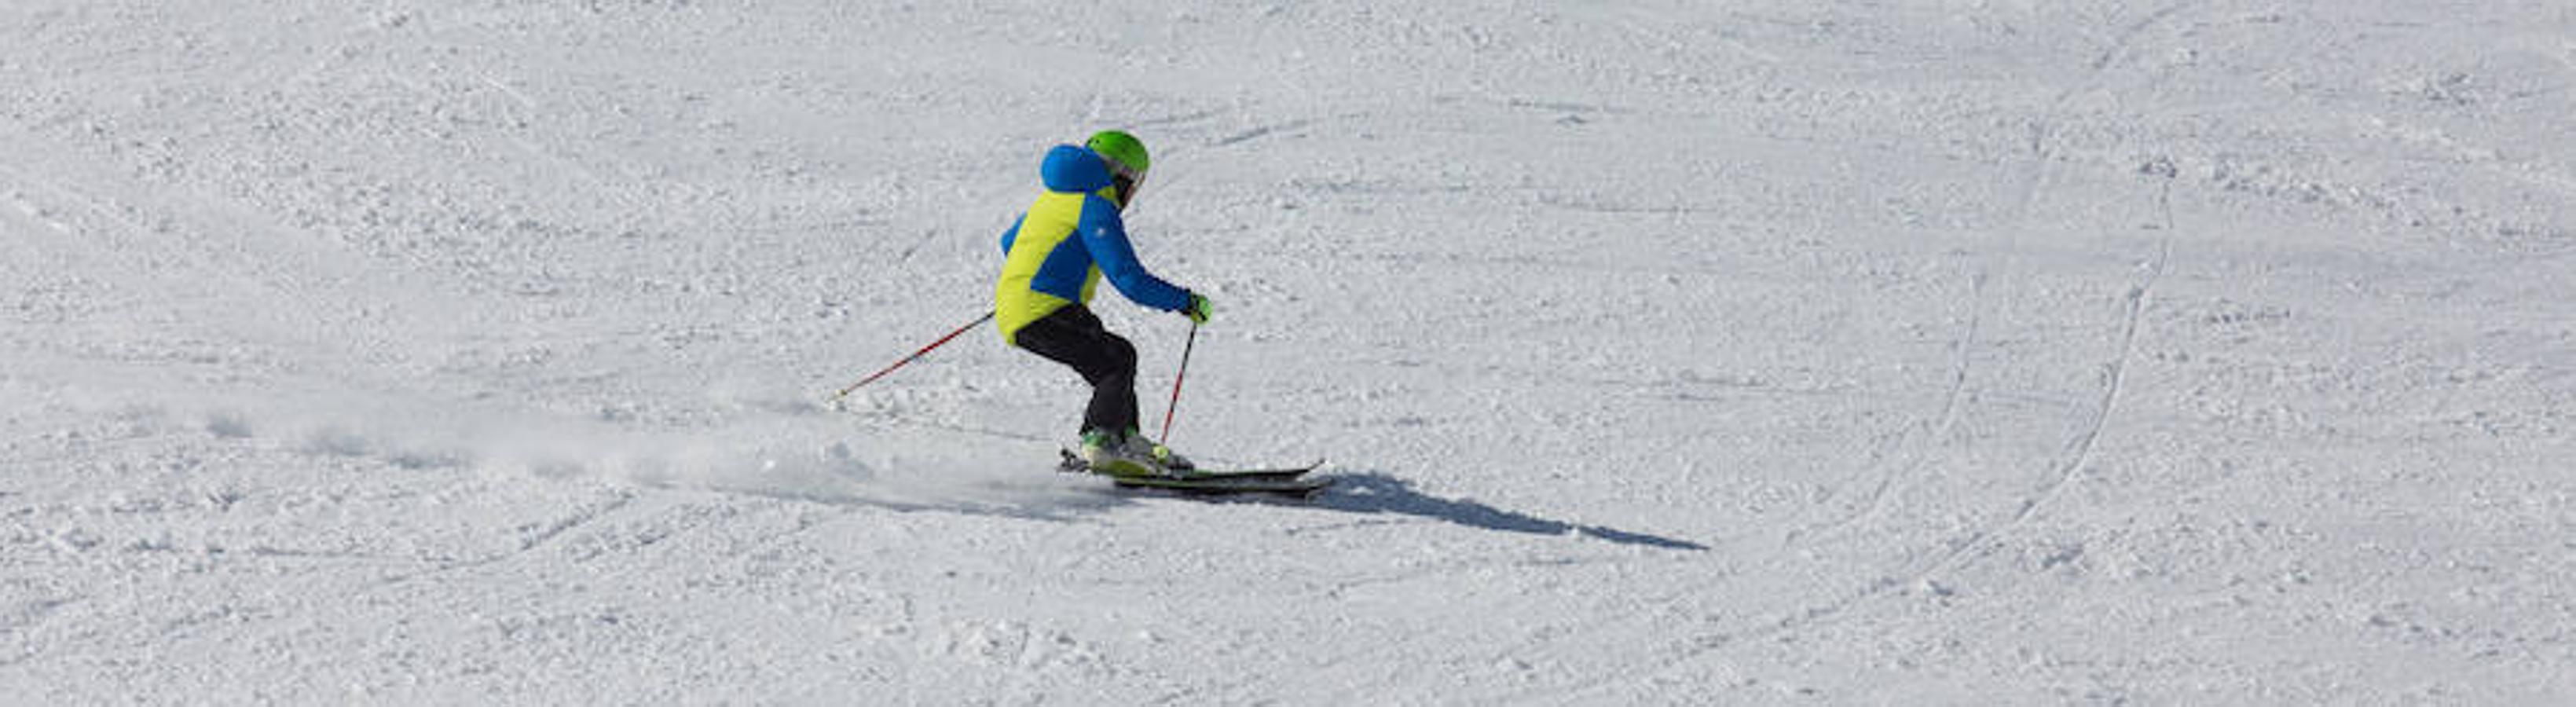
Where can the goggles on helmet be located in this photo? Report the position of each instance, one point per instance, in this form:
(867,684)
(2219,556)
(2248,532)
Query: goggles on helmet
(1125,179)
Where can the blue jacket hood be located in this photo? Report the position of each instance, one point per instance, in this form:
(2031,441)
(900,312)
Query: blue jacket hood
(1073,169)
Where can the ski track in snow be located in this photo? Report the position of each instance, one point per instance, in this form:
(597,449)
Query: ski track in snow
(2090,420)
(2079,448)
(1779,353)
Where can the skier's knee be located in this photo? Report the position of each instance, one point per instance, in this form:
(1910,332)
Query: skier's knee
(1122,354)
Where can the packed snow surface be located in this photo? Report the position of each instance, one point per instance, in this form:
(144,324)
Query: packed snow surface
(1765,352)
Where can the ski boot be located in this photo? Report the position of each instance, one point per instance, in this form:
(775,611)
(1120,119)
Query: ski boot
(1130,454)
(1116,454)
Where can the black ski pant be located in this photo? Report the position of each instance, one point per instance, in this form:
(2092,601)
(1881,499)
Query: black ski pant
(1073,336)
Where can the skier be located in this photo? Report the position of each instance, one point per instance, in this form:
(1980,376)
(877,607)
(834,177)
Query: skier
(1053,256)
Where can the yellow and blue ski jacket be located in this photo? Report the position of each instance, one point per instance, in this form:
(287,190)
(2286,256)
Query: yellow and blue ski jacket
(1057,251)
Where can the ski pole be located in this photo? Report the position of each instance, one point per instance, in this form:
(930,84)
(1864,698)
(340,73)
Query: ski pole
(1175,406)
(916,355)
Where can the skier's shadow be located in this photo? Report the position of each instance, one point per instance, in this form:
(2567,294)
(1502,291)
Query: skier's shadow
(1377,493)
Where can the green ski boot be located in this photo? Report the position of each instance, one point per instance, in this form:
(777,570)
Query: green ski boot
(1117,454)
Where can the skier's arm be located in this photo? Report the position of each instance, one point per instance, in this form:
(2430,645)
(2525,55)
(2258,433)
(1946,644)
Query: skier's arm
(1013,234)
(1105,235)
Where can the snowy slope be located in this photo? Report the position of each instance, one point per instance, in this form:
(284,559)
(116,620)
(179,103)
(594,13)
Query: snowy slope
(1667,353)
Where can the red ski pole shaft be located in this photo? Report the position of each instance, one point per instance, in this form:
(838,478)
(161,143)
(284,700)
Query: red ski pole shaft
(1184,373)
(916,355)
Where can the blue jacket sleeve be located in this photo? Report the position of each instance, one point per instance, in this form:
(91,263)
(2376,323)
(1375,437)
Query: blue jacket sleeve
(1105,235)
(1013,234)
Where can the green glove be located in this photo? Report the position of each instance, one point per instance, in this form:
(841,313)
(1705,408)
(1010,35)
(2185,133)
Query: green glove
(1199,309)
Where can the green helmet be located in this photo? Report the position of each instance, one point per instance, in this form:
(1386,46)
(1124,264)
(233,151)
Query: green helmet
(1122,150)
(1127,161)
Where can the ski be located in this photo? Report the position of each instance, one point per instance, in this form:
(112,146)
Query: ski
(1210,485)
(1280,480)
(1278,473)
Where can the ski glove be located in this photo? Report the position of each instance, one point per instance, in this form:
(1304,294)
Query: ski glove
(1199,309)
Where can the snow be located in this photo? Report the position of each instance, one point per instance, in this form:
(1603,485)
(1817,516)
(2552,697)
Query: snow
(1768,352)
